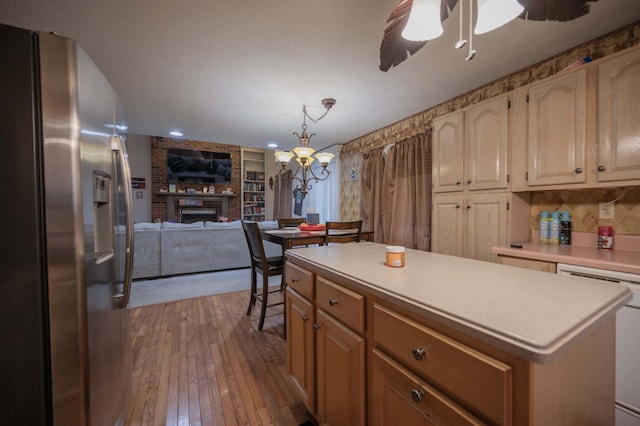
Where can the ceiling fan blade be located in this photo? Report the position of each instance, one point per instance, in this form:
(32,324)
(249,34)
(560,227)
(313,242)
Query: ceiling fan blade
(395,49)
(554,10)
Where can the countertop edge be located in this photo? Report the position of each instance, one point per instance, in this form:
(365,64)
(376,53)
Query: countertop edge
(536,354)
(559,254)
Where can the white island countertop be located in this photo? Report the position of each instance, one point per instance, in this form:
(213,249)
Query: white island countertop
(531,314)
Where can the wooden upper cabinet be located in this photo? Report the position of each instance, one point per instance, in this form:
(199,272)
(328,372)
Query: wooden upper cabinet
(448,152)
(619,118)
(558,130)
(487,138)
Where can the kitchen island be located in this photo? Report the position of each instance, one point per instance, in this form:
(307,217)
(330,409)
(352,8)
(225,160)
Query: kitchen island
(447,340)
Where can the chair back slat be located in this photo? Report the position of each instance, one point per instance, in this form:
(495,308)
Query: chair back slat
(343,232)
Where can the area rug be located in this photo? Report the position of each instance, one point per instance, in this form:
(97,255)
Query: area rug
(170,289)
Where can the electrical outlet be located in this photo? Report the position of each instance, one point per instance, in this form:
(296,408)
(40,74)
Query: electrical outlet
(607,211)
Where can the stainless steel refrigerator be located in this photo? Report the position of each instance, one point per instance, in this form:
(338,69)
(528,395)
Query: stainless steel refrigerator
(67,242)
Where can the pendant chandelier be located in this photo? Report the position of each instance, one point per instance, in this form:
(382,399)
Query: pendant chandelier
(305,155)
(424,20)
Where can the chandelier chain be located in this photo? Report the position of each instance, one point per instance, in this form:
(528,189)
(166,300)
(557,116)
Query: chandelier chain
(315,120)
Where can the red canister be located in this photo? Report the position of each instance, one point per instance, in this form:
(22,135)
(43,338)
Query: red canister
(605,237)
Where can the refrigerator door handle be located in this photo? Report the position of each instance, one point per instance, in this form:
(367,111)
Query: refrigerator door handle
(117,144)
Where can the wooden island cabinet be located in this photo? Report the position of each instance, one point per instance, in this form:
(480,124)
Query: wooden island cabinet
(446,340)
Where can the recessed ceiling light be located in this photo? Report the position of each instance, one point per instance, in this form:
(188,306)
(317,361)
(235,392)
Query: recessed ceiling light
(175,133)
(273,145)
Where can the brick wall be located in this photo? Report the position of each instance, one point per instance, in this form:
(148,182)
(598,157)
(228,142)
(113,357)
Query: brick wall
(159,146)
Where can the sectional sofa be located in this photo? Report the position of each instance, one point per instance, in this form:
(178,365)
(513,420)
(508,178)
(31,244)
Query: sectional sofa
(164,249)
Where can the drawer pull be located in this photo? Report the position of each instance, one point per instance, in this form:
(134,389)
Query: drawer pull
(333,302)
(578,170)
(305,317)
(294,279)
(601,168)
(418,354)
(316,326)
(417,394)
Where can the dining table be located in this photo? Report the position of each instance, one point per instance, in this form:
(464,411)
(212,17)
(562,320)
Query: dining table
(289,238)
(294,237)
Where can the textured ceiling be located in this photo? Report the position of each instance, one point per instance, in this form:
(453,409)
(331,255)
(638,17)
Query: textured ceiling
(239,71)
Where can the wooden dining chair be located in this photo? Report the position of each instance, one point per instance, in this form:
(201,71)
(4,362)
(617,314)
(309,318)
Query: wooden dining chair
(289,222)
(263,265)
(343,232)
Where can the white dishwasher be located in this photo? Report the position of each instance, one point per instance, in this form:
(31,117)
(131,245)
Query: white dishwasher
(627,341)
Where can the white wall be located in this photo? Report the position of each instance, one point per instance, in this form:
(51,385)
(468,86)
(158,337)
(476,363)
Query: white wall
(139,150)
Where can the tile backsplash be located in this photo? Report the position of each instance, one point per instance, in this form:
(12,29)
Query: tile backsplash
(583,206)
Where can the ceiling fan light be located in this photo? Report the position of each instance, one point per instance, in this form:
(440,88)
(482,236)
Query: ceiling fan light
(493,14)
(424,21)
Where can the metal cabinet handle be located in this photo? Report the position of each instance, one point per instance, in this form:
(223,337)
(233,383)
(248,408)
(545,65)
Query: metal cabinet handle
(305,317)
(316,326)
(458,182)
(294,279)
(468,206)
(578,170)
(457,206)
(419,353)
(333,302)
(417,394)
(601,168)
(468,181)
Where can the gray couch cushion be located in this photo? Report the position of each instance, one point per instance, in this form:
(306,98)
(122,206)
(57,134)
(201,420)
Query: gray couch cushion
(146,252)
(181,248)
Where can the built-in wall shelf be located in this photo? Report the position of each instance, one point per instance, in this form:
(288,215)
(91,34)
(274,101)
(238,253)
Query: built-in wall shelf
(254,203)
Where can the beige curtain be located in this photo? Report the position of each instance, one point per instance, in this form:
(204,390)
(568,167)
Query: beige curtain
(371,193)
(282,196)
(396,193)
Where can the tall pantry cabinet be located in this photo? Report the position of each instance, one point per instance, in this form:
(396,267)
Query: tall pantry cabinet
(472,208)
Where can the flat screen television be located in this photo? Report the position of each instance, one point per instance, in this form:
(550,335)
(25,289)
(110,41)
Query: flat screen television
(192,166)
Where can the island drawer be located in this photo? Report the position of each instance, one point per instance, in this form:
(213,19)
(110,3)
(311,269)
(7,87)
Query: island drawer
(341,303)
(400,397)
(299,279)
(473,378)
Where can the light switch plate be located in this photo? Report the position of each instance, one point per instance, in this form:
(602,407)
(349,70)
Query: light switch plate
(607,211)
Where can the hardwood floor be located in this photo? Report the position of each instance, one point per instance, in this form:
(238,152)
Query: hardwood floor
(202,361)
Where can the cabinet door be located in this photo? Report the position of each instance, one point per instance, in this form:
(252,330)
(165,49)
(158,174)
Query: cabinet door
(341,373)
(446,228)
(557,130)
(488,133)
(448,156)
(400,398)
(486,225)
(619,118)
(301,347)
